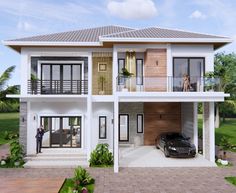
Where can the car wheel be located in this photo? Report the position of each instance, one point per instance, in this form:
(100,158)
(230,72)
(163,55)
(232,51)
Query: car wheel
(166,152)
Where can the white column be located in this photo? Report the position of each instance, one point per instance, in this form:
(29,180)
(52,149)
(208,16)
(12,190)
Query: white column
(169,68)
(114,69)
(25,69)
(208,131)
(89,107)
(116,141)
(195,125)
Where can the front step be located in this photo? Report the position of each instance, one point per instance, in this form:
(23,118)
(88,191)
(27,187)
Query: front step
(58,159)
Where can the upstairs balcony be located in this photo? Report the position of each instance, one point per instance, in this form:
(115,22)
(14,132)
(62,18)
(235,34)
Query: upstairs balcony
(167,84)
(55,87)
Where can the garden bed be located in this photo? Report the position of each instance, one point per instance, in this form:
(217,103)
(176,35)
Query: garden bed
(231,179)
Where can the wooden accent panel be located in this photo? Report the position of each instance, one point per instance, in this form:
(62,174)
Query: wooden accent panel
(160,118)
(157,72)
(107,75)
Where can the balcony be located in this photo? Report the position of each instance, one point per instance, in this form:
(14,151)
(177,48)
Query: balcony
(167,84)
(55,87)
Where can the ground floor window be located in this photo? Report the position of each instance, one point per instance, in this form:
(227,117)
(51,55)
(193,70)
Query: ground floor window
(139,123)
(123,127)
(61,131)
(102,127)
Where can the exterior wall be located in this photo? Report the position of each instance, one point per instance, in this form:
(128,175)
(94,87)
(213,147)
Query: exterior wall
(23,125)
(160,118)
(102,109)
(38,109)
(206,51)
(187,120)
(107,59)
(155,67)
(132,109)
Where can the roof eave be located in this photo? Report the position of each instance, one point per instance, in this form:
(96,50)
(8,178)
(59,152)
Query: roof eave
(174,40)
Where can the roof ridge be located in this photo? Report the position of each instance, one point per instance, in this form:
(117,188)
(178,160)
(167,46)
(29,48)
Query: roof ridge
(118,32)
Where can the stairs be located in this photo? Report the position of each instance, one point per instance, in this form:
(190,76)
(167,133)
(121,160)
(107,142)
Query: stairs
(56,158)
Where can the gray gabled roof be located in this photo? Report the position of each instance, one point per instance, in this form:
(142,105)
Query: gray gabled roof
(156,32)
(83,35)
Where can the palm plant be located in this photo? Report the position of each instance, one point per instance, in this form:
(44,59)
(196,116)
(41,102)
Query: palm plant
(6,103)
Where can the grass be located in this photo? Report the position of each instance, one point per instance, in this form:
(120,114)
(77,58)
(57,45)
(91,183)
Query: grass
(227,129)
(231,179)
(8,122)
(69,183)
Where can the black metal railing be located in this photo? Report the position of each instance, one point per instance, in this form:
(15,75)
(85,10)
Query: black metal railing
(168,84)
(58,87)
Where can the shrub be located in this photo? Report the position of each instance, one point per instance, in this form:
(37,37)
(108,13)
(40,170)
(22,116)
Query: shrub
(16,150)
(225,143)
(101,156)
(82,177)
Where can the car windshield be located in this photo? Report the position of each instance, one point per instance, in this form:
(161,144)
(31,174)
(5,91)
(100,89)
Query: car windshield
(176,136)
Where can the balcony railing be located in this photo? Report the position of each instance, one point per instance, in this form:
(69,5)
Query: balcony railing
(167,84)
(58,87)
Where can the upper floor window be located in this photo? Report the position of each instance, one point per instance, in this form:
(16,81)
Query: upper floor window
(188,73)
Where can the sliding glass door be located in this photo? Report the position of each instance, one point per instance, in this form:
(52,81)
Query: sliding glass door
(61,78)
(188,69)
(62,131)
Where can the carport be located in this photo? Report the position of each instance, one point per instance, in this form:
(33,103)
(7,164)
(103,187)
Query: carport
(149,156)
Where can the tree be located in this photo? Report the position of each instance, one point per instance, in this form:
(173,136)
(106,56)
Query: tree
(225,69)
(7,104)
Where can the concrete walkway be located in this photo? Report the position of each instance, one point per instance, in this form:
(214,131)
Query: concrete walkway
(149,156)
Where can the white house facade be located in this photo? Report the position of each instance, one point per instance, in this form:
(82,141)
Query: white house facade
(71,83)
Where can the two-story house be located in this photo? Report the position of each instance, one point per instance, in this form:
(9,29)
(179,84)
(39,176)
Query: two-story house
(116,85)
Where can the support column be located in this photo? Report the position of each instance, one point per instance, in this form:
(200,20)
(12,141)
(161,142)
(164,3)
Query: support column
(195,125)
(208,131)
(116,141)
(114,69)
(89,107)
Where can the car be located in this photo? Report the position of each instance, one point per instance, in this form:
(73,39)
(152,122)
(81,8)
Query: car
(175,145)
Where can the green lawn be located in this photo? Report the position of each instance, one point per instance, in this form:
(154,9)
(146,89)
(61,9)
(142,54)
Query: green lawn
(8,122)
(227,129)
(231,180)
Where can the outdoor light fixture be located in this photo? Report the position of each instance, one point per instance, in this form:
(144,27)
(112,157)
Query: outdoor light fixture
(23,119)
(157,62)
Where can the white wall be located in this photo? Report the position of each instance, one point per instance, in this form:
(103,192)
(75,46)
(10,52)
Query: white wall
(38,109)
(206,51)
(102,109)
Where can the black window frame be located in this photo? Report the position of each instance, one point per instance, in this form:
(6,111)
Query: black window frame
(127,128)
(142,123)
(100,117)
(137,71)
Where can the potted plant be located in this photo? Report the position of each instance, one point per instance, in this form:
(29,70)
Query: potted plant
(125,75)
(34,84)
(224,146)
(102,81)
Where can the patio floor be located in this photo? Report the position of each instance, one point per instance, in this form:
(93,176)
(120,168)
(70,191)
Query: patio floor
(149,156)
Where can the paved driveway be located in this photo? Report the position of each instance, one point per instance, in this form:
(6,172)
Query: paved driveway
(128,180)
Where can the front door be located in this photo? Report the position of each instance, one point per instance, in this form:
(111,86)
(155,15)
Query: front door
(62,131)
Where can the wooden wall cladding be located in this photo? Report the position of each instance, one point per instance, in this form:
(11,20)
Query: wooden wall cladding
(160,118)
(155,67)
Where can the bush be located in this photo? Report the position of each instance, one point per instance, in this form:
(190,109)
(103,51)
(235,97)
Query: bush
(16,150)
(101,156)
(82,177)
(225,143)
(10,136)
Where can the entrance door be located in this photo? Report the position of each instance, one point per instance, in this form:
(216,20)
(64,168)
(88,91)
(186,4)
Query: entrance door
(62,131)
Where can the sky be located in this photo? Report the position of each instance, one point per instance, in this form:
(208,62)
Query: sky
(22,18)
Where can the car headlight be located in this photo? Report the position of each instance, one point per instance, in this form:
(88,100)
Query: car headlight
(172,148)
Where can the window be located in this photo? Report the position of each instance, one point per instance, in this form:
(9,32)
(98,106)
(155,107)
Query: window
(102,127)
(139,71)
(123,127)
(121,65)
(139,123)
(191,67)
